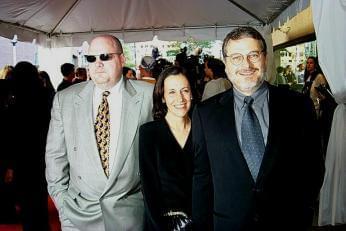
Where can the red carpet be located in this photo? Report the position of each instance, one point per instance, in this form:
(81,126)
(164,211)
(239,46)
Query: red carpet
(53,220)
(53,216)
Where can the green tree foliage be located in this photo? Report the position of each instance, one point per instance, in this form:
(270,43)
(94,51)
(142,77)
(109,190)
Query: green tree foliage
(191,45)
(129,55)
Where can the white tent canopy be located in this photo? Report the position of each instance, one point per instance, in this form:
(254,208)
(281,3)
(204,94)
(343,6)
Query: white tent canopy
(57,23)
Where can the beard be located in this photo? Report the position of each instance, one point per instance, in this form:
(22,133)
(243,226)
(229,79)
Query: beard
(247,84)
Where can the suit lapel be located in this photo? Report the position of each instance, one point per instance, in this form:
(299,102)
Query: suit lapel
(273,133)
(83,104)
(227,122)
(130,115)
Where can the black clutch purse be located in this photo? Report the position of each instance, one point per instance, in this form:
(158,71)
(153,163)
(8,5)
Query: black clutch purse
(177,221)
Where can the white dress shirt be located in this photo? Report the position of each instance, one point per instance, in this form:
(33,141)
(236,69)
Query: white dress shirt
(115,108)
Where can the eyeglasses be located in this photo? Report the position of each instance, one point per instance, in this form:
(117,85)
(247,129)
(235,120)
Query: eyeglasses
(103,57)
(237,58)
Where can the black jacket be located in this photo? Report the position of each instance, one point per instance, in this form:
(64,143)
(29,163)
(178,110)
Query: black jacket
(226,197)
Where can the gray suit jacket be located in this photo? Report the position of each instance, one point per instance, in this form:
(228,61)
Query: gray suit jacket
(85,198)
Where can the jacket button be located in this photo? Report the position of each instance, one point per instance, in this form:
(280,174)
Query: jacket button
(74,148)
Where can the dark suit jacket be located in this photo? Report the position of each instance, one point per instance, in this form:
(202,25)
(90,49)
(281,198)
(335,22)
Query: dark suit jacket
(166,173)
(64,84)
(225,195)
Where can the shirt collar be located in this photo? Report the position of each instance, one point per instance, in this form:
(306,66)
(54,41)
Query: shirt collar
(258,95)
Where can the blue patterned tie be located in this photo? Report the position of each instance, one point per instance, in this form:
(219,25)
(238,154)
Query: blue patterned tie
(252,138)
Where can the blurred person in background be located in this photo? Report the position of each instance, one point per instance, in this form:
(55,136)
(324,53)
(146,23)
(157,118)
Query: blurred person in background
(317,88)
(47,84)
(29,119)
(281,80)
(155,53)
(146,69)
(6,72)
(80,75)
(313,78)
(129,73)
(159,66)
(181,58)
(300,73)
(289,75)
(67,70)
(8,212)
(215,70)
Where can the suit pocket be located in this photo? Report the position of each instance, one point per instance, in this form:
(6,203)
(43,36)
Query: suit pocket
(71,199)
(76,200)
(73,193)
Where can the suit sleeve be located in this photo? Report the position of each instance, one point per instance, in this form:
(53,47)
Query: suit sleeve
(202,191)
(314,161)
(57,166)
(149,177)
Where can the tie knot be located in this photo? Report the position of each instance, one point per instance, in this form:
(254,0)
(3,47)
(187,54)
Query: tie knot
(105,93)
(248,100)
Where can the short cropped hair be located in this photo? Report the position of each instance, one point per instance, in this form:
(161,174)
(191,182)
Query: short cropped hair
(217,67)
(243,32)
(117,43)
(66,69)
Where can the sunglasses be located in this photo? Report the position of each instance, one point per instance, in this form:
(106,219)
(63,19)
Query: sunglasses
(103,57)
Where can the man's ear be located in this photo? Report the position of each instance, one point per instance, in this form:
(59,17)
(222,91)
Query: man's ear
(122,60)
(265,61)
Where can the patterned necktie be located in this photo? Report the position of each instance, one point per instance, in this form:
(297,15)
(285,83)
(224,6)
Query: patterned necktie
(102,131)
(252,138)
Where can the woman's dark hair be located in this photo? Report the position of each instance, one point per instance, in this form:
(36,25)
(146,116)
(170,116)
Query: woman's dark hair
(46,80)
(29,90)
(160,108)
(317,70)
(25,76)
(308,83)
(217,67)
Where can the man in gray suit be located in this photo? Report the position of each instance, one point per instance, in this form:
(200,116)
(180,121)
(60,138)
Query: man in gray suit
(93,190)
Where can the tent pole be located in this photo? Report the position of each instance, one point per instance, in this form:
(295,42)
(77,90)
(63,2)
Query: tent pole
(247,11)
(65,15)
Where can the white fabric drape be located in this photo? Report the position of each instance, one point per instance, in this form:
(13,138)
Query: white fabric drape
(329,18)
(61,23)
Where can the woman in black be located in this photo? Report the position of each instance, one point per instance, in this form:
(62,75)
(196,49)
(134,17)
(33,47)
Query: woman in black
(165,154)
(317,88)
